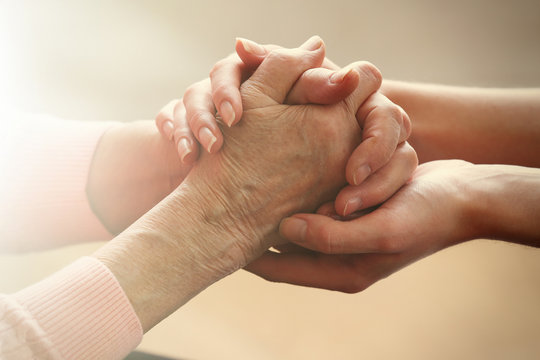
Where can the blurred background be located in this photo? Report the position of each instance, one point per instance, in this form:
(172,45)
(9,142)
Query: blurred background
(123,60)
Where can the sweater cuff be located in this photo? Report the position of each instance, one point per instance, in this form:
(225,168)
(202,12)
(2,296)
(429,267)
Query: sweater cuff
(84,312)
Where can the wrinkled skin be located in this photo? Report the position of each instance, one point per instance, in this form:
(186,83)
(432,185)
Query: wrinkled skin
(279,159)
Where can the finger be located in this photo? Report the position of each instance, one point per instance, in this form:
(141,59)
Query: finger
(381,185)
(370,80)
(368,234)
(186,145)
(165,120)
(226,77)
(274,78)
(322,271)
(253,54)
(323,86)
(200,117)
(383,129)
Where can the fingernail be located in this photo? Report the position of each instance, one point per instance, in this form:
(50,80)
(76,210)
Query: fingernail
(361,174)
(295,229)
(168,129)
(252,47)
(227,113)
(206,136)
(351,206)
(183,149)
(340,75)
(312,44)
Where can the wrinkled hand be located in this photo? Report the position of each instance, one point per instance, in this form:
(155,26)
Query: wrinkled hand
(377,168)
(279,159)
(431,212)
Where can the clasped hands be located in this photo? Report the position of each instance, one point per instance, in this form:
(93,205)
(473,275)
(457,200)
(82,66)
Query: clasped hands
(292,130)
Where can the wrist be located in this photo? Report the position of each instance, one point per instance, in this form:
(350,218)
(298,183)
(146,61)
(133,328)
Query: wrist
(170,255)
(502,202)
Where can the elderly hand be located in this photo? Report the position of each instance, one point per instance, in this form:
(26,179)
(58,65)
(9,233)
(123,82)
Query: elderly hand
(279,160)
(377,168)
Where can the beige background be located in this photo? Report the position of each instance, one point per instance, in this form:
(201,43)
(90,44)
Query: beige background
(125,59)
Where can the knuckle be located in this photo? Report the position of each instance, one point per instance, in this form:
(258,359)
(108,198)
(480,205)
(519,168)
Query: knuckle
(190,91)
(325,240)
(370,72)
(381,153)
(194,89)
(182,133)
(198,118)
(406,122)
(220,90)
(286,56)
(279,55)
(160,118)
(410,155)
(217,67)
(393,111)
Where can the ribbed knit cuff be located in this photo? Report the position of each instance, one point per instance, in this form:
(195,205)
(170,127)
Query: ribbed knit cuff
(46,162)
(84,312)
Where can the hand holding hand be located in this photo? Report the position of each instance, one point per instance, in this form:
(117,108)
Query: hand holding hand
(445,203)
(377,168)
(304,148)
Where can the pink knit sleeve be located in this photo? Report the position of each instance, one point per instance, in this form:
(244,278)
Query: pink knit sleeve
(80,312)
(45,163)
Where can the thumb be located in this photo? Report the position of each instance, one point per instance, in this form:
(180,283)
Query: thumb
(324,234)
(274,78)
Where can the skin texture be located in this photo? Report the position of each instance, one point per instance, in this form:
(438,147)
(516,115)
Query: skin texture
(471,124)
(226,212)
(375,170)
(445,203)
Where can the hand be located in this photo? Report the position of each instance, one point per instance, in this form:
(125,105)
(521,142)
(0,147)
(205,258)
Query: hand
(375,166)
(279,160)
(445,203)
(321,137)
(426,215)
(171,123)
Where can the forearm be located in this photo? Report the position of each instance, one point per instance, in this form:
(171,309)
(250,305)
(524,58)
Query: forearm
(477,125)
(170,255)
(505,203)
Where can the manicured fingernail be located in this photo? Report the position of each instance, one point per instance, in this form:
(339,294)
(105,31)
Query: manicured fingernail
(361,174)
(227,113)
(206,137)
(252,47)
(312,44)
(183,149)
(351,206)
(340,75)
(294,229)
(168,129)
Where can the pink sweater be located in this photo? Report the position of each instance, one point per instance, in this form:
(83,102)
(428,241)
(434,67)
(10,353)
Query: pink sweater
(80,312)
